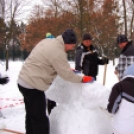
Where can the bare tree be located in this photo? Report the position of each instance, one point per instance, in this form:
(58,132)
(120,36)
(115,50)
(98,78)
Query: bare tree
(2,9)
(125,16)
(132,25)
(15,9)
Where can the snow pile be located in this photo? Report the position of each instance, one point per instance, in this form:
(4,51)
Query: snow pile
(81,108)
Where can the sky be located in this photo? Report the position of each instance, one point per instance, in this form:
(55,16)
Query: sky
(12,106)
(36,1)
(27,10)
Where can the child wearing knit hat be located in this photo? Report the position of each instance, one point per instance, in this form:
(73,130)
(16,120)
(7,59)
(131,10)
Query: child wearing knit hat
(121,103)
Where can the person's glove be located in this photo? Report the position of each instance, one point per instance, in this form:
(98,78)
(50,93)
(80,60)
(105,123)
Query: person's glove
(4,80)
(105,60)
(87,79)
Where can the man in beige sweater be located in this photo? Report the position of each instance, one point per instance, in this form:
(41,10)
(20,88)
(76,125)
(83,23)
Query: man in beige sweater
(47,60)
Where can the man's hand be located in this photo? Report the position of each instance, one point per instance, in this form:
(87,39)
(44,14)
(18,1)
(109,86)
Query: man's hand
(116,72)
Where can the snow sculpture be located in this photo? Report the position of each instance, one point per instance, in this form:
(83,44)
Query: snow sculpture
(81,108)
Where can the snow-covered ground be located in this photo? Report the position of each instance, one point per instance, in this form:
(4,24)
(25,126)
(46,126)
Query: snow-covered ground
(11,101)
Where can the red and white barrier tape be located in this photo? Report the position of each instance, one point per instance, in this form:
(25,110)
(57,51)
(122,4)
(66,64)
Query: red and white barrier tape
(11,105)
(11,131)
(9,99)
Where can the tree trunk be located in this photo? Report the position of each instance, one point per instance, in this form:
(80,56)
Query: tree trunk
(125,16)
(131,25)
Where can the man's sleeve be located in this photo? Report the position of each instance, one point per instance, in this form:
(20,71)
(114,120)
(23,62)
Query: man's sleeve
(114,99)
(62,67)
(78,60)
(122,65)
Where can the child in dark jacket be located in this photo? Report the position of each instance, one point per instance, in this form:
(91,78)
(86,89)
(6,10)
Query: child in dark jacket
(121,103)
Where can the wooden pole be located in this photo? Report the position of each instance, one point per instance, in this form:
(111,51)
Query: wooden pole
(104,76)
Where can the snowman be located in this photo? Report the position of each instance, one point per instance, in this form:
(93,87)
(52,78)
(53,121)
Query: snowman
(81,108)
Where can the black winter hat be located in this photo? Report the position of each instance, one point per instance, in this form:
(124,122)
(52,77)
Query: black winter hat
(87,36)
(121,38)
(69,37)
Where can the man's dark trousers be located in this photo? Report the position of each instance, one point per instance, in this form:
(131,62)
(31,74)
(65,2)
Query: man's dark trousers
(50,105)
(35,105)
